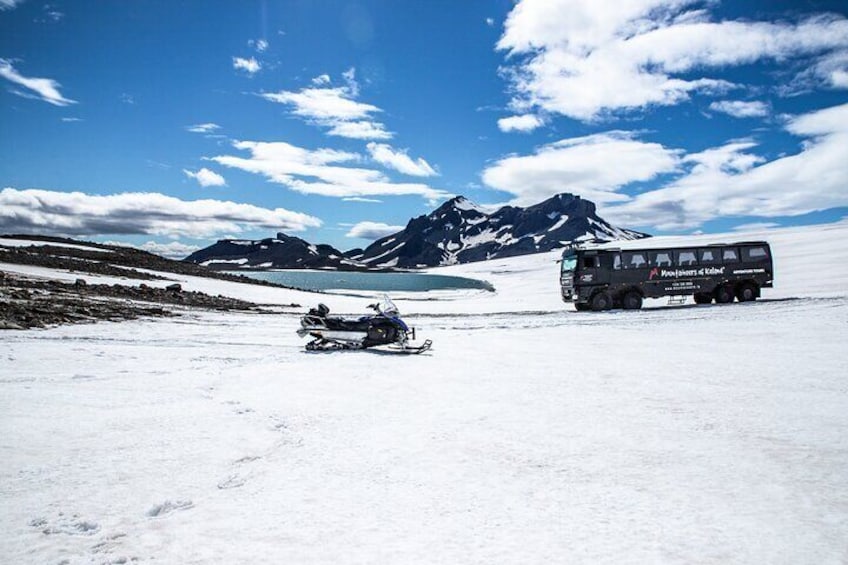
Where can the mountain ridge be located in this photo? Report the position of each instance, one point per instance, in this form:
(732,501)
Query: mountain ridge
(458,231)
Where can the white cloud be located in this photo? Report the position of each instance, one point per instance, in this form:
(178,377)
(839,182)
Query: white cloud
(44,88)
(741,109)
(324,104)
(251,66)
(583,166)
(204,128)
(171,250)
(260,45)
(372,230)
(359,130)
(321,171)
(360,199)
(205,177)
(10,4)
(525,123)
(77,213)
(398,160)
(756,226)
(732,181)
(335,108)
(586,60)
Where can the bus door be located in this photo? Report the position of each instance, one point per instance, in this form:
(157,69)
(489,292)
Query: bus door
(590,270)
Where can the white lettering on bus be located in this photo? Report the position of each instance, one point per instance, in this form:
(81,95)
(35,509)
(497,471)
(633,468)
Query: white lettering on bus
(702,272)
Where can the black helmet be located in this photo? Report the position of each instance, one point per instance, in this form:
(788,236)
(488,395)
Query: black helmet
(320,310)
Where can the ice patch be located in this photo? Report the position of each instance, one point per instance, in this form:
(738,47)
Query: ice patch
(10,242)
(228,261)
(559,224)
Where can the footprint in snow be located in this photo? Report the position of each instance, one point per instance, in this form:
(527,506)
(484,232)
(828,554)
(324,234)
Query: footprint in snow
(72,526)
(233,481)
(169,506)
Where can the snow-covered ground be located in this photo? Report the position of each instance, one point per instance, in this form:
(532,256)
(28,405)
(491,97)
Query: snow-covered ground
(529,434)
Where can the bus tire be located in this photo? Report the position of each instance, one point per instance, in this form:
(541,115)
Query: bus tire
(723,294)
(581,306)
(746,292)
(601,301)
(703,298)
(632,300)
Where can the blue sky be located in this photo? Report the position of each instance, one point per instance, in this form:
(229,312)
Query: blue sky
(169,125)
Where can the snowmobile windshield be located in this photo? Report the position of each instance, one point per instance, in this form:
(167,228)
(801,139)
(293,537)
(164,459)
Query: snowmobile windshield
(388,308)
(569,262)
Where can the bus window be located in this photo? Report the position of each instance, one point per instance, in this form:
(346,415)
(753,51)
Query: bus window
(590,262)
(616,262)
(754,253)
(633,260)
(686,258)
(709,256)
(729,255)
(660,258)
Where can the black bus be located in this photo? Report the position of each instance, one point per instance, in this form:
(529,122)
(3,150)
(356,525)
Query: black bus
(604,278)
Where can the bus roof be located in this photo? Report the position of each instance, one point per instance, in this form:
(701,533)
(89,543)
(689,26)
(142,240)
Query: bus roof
(662,242)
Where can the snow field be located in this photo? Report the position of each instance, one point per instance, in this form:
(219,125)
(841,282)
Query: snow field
(529,434)
(555,437)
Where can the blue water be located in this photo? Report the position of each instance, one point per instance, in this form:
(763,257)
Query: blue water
(383,282)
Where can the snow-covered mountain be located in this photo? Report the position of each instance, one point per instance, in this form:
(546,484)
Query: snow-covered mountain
(459,231)
(281,252)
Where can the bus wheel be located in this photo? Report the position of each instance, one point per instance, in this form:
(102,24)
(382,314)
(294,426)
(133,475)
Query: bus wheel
(746,292)
(601,301)
(723,295)
(632,300)
(703,298)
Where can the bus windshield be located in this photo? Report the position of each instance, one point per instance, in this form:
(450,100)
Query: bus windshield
(569,262)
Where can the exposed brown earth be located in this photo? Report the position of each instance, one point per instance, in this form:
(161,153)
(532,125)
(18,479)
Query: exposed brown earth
(31,302)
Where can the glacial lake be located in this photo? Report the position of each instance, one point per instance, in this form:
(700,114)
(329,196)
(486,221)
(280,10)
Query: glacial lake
(381,282)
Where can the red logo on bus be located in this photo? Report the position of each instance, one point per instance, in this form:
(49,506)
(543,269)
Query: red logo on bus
(654,273)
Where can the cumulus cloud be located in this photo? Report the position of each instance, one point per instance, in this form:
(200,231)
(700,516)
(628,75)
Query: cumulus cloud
(372,230)
(582,165)
(251,66)
(205,177)
(320,171)
(42,88)
(731,180)
(587,60)
(77,213)
(204,128)
(335,108)
(525,123)
(398,160)
(740,108)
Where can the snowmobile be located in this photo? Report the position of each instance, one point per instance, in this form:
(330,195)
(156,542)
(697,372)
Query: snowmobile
(384,327)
